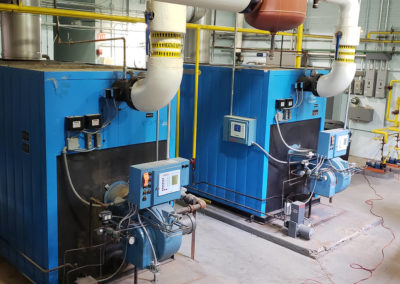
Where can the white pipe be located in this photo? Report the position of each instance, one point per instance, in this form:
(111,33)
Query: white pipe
(239,36)
(225,5)
(344,68)
(165,63)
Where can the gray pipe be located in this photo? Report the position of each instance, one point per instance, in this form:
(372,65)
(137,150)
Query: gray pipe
(168,130)
(158,135)
(233,67)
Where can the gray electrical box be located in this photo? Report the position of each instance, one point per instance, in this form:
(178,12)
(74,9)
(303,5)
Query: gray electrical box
(369,87)
(363,114)
(381,78)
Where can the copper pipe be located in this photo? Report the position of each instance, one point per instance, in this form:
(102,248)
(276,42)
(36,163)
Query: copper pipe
(102,204)
(101,40)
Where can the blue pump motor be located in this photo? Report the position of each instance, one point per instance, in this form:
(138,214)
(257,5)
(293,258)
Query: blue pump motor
(334,181)
(165,236)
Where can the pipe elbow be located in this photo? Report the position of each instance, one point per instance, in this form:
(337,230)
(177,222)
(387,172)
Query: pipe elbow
(337,81)
(158,88)
(165,63)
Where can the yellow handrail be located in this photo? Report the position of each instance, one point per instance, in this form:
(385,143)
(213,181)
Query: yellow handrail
(66,13)
(299,45)
(389,103)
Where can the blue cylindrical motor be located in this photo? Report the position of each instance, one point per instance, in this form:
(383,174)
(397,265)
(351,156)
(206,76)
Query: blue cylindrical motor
(165,236)
(333,181)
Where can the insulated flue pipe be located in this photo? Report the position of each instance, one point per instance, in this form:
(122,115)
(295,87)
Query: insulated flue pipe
(348,34)
(224,5)
(165,62)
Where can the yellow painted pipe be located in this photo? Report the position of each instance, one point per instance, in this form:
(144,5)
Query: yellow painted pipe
(178,118)
(394,129)
(382,33)
(67,13)
(196,92)
(383,132)
(299,45)
(232,29)
(396,124)
(99,16)
(389,103)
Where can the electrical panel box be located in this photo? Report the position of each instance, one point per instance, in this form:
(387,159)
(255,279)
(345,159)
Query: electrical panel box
(333,143)
(358,86)
(157,182)
(239,129)
(362,114)
(369,87)
(381,79)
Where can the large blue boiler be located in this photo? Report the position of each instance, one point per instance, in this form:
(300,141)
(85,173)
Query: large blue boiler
(230,168)
(41,103)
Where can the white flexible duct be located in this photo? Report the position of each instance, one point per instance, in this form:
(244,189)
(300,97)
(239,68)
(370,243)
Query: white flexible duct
(165,63)
(344,68)
(224,5)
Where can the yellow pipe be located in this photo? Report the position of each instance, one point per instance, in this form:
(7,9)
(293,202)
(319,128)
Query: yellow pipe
(67,13)
(396,124)
(98,16)
(318,36)
(389,103)
(232,29)
(196,92)
(382,33)
(178,118)
(394,129)
(299,45)
(382,132)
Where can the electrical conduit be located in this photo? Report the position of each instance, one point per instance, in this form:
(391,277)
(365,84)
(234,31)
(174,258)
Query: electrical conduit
(165,63)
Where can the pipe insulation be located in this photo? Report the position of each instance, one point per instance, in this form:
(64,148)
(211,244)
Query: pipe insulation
(224,5)
(344,67)
(165,63)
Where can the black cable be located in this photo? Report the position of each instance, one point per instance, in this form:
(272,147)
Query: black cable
(90,222)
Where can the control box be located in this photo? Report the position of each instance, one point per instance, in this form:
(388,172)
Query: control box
(381,79)
(369,86)
(157,182)
(239,129)
(363,114)
(333,143)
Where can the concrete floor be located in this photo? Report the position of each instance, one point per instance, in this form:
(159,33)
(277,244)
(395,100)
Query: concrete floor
(226,254)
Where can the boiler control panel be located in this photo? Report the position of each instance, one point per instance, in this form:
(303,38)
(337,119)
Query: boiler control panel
(239,129)
(333,143)
(157,182)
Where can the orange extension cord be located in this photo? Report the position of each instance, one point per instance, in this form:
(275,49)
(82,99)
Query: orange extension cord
(370,203)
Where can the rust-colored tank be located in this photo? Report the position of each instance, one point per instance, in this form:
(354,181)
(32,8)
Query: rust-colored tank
(278,15)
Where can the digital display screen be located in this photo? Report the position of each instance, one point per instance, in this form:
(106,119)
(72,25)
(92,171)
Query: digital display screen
(175,179)
(237,128)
